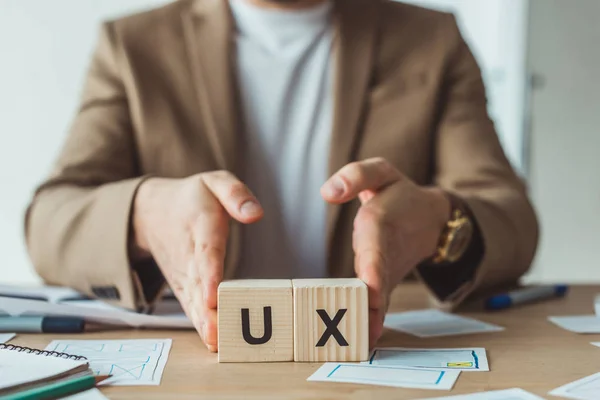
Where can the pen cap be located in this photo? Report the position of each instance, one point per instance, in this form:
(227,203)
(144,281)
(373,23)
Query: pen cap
(498,302)
(561,290)
(62,325)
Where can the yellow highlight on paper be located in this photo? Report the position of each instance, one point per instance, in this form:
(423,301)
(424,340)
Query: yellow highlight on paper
(460,364)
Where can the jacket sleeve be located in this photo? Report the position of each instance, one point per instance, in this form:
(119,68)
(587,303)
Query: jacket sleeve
(77,225)
(470,164)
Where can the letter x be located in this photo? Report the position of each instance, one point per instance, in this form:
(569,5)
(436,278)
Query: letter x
(332,329)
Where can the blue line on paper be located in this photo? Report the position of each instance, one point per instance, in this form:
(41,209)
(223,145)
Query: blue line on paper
(476,359)
(372,357)
(335,369)
(439,379)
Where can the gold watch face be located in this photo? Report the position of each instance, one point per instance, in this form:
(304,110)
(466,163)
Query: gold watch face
(459,238)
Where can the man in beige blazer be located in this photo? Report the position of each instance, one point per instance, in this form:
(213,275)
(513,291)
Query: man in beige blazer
(147,191)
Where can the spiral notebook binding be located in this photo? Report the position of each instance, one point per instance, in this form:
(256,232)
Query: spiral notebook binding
(45,353)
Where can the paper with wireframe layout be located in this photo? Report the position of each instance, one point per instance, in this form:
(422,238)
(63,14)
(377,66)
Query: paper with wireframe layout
(508,394)
(587,388)
(466,359)
(5,337)
(385,375)
(130,362)
(435,323)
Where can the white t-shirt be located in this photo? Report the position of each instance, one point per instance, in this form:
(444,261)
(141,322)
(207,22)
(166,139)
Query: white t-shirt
(284,72)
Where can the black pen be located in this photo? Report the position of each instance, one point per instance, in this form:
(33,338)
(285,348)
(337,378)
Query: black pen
(26,324)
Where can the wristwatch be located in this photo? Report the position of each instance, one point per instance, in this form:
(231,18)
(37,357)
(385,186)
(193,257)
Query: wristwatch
(456,235)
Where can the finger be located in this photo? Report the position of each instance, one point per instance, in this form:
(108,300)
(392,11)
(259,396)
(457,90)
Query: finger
(376,318)
(210,245)
(370,266)
(235,197)
(373,174)
(368,270)
(203,318)
(211,337)
(190,297)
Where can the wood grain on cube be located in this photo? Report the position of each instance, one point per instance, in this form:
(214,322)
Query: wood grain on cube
(319,302)
(255,301)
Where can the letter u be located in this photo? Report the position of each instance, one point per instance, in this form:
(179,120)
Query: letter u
(246,327)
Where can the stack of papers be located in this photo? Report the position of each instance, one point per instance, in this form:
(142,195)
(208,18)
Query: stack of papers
(584,389)
(471,359)
(509,394)
(578,323)
(386,376)
(435,323)
(60,301)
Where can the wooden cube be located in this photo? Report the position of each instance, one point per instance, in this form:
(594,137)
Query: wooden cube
(255,321)
(331,320)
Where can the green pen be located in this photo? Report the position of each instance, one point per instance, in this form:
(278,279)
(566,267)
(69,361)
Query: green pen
(58,389)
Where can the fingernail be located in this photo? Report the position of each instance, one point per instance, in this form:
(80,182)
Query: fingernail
(250,209)
(336,187)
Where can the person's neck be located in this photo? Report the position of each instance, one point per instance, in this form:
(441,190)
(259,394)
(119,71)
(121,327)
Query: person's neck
(286,5)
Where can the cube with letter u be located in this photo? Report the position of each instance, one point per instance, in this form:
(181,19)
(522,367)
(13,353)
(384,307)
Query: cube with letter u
(255,321)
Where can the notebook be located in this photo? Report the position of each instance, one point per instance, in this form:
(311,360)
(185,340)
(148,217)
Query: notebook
(22,368)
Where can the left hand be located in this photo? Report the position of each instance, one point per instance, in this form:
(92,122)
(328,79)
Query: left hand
(397,226)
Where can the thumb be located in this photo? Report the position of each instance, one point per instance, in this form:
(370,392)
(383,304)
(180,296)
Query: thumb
(234,196)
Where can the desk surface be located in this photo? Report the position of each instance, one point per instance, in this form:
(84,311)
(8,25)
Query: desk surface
(531,353)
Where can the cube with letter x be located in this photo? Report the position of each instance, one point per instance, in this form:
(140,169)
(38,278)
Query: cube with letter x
(331,320)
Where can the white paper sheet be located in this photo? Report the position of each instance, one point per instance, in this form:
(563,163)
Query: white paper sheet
(434,323)
(384,375)
(584,389)
(92,394)
(508,394)
(5,337)
(53,294)
(578,323)
(465,359)
(130,362)
(93,311)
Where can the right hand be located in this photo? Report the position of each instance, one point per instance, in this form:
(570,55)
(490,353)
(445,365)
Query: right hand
(183,224)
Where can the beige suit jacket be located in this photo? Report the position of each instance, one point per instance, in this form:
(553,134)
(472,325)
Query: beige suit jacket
(160,99)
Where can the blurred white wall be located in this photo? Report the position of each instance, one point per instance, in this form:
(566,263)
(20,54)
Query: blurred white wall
(45,47)
(564,57)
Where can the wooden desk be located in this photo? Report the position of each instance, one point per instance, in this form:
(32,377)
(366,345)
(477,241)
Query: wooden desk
(532,354)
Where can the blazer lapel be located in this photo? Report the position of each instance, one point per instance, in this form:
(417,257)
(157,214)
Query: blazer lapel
(356,22)
(208,31)
(209,41)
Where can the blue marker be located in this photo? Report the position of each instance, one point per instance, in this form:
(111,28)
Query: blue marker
(526,295)
(42,324)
